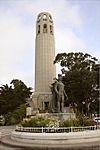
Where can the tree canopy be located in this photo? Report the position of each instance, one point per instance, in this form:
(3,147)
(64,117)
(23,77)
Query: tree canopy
(13,96)
(80,77)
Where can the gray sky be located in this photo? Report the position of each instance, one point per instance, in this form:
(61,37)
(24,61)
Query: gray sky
(76,27)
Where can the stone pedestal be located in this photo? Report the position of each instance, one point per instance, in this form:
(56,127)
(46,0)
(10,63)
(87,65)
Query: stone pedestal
(41,102)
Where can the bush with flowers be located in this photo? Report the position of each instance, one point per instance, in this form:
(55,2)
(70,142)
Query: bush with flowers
(40,122)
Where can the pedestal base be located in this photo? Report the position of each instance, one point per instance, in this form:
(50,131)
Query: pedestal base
(41,102)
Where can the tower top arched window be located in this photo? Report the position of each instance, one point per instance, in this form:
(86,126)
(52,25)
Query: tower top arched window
(39,17)
(51,29)
(45,28)
(50,17)
(44,17)
(38,29)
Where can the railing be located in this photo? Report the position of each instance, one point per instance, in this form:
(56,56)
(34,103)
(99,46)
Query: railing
(54,129)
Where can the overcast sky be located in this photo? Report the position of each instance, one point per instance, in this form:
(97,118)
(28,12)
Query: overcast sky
(76,27)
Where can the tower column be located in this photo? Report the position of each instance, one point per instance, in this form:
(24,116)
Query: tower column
(44,53)
(45,70)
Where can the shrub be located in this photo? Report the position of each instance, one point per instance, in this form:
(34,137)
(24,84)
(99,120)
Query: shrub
(16,116)
(70,123)
(77,122)
(84,121)
(39,122)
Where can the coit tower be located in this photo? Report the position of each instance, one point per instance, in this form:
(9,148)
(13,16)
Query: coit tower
(45,70)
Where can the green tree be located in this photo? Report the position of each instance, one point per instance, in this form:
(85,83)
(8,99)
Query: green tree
(80,78)
(13,96)
(6,94)
(20,91)
(16,116)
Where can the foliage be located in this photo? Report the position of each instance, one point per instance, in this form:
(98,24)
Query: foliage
(69,123)
(78,122)
(50,122)
(75,61)
(84,121)
(80,78)
(13,96)
(39,122)
(16,116)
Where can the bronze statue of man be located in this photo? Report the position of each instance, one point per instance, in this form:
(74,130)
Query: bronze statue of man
(60,94)
(54,97)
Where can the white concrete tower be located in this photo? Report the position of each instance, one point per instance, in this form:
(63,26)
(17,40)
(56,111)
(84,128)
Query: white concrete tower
(45,70)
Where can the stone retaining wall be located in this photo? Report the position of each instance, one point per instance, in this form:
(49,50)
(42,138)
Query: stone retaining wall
(56,138)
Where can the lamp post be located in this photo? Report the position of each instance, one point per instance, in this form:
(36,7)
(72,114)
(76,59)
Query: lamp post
(98,89)
(99,85)
(98,92)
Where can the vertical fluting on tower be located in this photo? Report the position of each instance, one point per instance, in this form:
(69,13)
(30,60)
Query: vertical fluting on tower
(45,70)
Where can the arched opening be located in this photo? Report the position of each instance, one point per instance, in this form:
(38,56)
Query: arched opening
(50,17)
(44,17)
(45,28)
(51,29)
(38,29)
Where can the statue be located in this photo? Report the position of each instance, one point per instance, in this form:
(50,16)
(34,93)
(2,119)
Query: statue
(54,97)
(58,95)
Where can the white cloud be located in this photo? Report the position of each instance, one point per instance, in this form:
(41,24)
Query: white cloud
(67,40)
(15,47)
